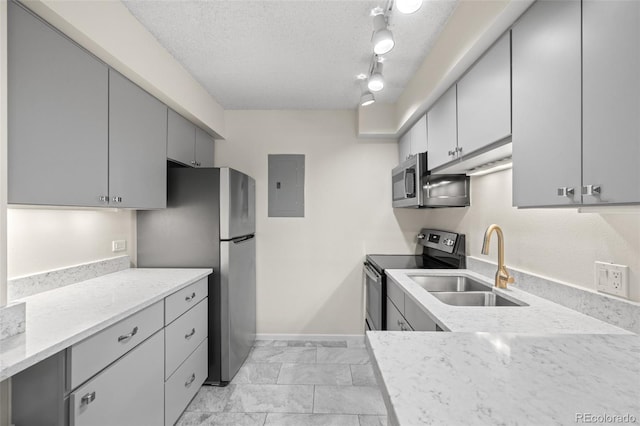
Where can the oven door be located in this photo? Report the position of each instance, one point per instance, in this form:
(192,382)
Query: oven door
(406,182)
(374,319)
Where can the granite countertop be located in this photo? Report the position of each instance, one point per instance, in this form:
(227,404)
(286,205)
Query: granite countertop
(540,316)
(502,378)
(59,318)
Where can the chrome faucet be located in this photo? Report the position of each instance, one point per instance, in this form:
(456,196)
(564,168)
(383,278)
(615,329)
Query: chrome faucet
(502,275)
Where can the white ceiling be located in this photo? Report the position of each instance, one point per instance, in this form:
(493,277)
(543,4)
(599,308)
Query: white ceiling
(289,54)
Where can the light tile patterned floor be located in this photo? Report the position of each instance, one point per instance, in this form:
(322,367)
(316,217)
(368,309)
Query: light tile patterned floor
(295,383)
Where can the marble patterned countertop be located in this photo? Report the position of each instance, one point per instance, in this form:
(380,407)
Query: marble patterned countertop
(540,316)
(506,379)
(59,318)
(527,365)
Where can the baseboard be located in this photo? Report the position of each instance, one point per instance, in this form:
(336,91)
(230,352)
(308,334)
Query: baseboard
(269,336)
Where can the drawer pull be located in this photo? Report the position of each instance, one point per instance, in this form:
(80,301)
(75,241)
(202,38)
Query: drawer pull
(190,381)
(88,398)
(128,336)
(190,298)
(189,335)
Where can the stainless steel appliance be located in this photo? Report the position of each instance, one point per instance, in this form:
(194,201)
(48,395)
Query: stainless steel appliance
(406,181)
(210,222)
(414,187)
(440,250)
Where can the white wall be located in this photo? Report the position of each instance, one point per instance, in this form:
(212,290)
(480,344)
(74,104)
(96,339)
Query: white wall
(41,240)
(310,269)
(557,243)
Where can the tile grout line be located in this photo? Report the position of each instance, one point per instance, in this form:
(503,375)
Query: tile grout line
(313,400)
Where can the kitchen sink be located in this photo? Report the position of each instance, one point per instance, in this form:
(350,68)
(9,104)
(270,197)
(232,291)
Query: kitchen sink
(449,283)
(474,298)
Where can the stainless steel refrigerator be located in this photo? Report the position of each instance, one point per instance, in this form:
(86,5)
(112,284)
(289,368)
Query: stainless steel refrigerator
(209,222)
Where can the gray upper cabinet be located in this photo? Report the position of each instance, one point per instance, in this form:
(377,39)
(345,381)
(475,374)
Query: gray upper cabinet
(484,99)
(204,149)
(57,110)
(442,130)
(547,105)
(414,141)
(188,144)
(181,139)
(611,101)
(137,146)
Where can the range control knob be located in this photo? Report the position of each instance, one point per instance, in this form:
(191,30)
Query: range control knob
(448,242)
(421,236)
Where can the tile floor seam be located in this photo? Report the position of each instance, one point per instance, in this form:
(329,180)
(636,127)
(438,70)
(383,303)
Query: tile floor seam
(351,372)
(313,400)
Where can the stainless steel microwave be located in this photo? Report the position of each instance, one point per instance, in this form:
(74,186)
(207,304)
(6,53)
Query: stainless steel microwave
(414,187)
(406,181)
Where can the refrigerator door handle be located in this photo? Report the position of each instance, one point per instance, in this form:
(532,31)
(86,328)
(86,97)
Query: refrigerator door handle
(243,239)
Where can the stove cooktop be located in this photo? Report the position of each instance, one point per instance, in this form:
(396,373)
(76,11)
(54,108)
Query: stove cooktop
(402,261)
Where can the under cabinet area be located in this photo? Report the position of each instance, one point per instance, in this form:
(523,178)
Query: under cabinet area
(576,103)
(187,144)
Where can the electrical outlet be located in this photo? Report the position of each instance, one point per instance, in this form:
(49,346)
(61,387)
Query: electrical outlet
(612,279)
(118,245)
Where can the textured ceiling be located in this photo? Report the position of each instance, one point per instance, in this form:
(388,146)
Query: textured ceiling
(289,54)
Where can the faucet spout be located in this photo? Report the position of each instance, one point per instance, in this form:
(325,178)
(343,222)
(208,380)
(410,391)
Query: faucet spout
(502,275)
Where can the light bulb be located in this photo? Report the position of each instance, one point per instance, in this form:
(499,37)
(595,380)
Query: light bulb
(408,6)
(376,82)
(382,37)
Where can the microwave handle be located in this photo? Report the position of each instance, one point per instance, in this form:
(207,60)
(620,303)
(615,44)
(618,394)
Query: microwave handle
(407,193)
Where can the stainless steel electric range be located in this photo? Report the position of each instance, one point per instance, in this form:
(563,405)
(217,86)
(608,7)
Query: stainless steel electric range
(440,250)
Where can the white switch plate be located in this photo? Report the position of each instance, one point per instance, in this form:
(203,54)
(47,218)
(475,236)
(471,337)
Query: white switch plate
(612,279)
(118,245)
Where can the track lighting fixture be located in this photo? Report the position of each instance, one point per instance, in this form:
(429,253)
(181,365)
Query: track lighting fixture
(367,97)
(382,38)
(408,6)
(376,81)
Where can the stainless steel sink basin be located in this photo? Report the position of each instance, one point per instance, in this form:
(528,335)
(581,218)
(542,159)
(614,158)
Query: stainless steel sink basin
(474,298)
(452,283)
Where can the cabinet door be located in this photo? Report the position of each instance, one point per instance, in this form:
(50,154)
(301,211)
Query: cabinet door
(395,320)
(484,99)
(416,318)
(611,100)
(204,149)
(129,392)
(442,129)
(57,117)
(181,139)
(137,146)
(419,136)
(404,147)
(547,104)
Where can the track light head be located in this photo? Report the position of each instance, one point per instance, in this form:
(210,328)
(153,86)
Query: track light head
(376,80)
(408,6)
(382,37)
(367,98)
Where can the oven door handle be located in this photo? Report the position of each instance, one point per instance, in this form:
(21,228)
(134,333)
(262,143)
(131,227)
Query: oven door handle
(371,273)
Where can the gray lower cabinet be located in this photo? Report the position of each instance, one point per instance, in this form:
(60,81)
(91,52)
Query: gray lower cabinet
(484,99)
(417,319)
(611,101)
(395,320)
(547,121)
(137,146)
(57,110)
(188,144)
(404,314)
(129,392)
(182,386)
(442,130)
(204,149)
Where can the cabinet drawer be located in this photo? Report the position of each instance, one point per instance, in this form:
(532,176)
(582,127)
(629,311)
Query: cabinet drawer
(184,335)
(130,392)
(184,383)
(395,294)
(96,352)
(179,302)
(417,318)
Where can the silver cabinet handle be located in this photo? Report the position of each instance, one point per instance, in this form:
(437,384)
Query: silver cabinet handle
(198,163)
(103,198)
(190,334)
(191,379)
(594,190)
(116,199)
(190,298)
(129,335)
(193,163)
(88,398)
(565,191)
(452,152)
